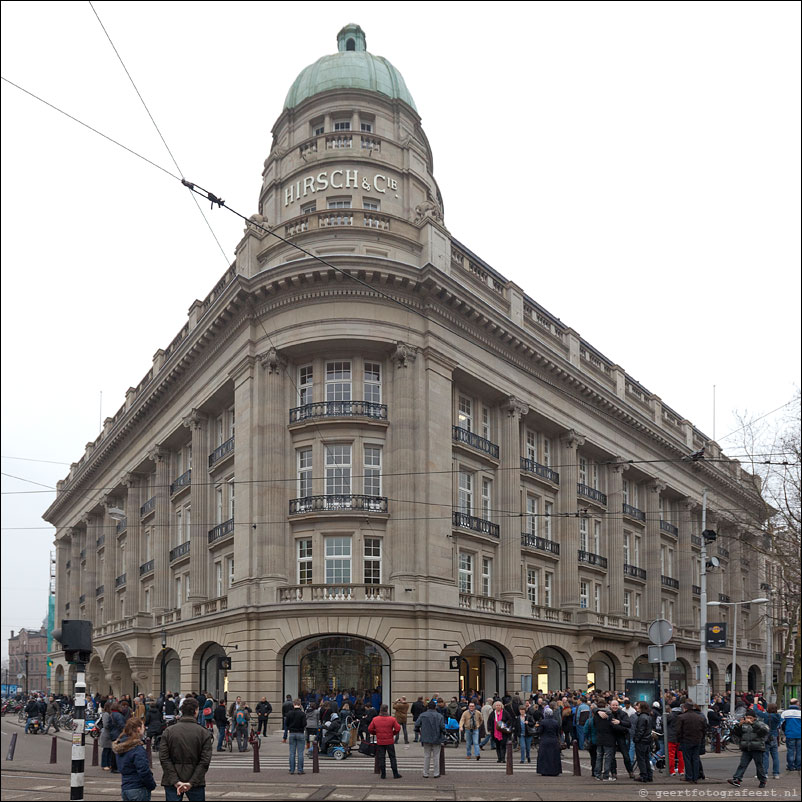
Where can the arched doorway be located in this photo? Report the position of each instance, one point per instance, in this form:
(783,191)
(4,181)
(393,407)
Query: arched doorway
(739,682)
(212,673)
(95,676)
(643,669)
(122,681)
(336,663)
(172,672)
(678,675)
(60,679)
(602,673)
(550,669)
(482,670)
(754,678)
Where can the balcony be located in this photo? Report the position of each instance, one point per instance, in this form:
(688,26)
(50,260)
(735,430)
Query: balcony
(335,593)
(669,582)
(591,493)
(347,502)
(122,525)
(100,590)
(463,521)
(530,466)
(339,409)
(484,604)
(696,590)
(179,551)
(146,568)
(540,543)
(669,529)
(67,606)
(591,559)
(147,507)
(696,541)
(221,452)
(82,598)
(745,562)
(634,571)
(83,554)
(723,597)
(217,605)
(120,581)
(634,513)
(185,480)
(722,552)
(460,435)
(221,530)
(100,541)
(541,613)
(68,564)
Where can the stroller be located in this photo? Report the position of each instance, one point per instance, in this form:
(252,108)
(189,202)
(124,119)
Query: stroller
(334,738)
(452,732)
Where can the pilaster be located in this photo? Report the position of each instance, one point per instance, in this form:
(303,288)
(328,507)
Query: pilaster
(654,583)
(512,411)
(109,566)
(131,563)
(197,422)
(615,538)
(91,583)
(160,538)
(685,558)
(75,572)
(568,591)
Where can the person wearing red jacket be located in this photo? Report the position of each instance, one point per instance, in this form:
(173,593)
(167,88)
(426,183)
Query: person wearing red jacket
(385,728)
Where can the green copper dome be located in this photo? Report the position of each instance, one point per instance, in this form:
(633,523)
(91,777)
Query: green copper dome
(352,67)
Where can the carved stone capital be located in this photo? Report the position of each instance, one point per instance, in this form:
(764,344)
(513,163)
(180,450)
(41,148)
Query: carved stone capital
(195,420)
(514,407)
(620,465)
(130,480)
(158,453)
(572,439)
(273,362)
(404,355)
(655,486)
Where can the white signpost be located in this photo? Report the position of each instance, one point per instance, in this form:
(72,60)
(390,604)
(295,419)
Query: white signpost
(660,632)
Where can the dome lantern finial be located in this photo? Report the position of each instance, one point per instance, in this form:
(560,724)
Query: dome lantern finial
(351,38)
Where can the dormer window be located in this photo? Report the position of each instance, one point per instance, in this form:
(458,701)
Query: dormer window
(350,45)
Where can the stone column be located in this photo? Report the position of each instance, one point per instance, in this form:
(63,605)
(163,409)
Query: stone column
(62,585)
(75,572)
(685,558)
(91,582)
(568,592)
(654,584)
(274,552)
(197,422)
(402,444)
(133,502)
(615,538)
(512,411)
(160,537)
(109,560)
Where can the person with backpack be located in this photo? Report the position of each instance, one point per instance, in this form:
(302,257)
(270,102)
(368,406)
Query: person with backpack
(285,710)
(154,724)
(581,716)
(242,716)
(221,720)
(207,713)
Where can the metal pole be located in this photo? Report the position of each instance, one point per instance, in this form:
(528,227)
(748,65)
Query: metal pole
(665,722)
(162,678)
(734,606)
(703,663)
(26,673)
(769,683)
(79,735)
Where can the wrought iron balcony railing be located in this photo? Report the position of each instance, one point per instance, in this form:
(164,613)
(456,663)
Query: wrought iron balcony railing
(670,529)
(221,451)
(100,541)
(148,506)
(633,512)
(696,590)
(179,551)
(120,581)
(541,543)
(99,591)
(474,441)
(146,568)
(221,530)
(633,570)
(530,466)
(183,481)
(339,409)
(338,503)
(670,582)
(723,597)
(122,525)
(464,521)
(591,559)
(696,540)
(591,493)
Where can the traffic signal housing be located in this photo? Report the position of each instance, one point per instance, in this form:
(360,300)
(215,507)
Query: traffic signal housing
(75,637)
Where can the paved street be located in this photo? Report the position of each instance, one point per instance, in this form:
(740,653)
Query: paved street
(30,777)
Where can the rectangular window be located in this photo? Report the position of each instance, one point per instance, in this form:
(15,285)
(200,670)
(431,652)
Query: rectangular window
(597,598)
(373,382)
(229,572)
(465,414)
(637,605)
(338,383)
(583,534)
(309,208)
(465,493)
(583,471)
(178,597)
(633,494)
(373,471)
(305,561)
(548,586)
(486,423)
(663,560)
(548,511)
(218,504)
(370,205)
(670,565)
(366,128)
(487,503)
(531,445)
(230,415)
(175,540)
(187,523)
(636,551)
(627,548)
(465,573)
(532,585)
(547,452)
(487,576)
(627,603)
(531,515)
(218,579)
(319,130)
(338,560)
(231,499)
(338,203)
(186,587)
(343,125)
(594,475)
(625,490)
(373,561)
(305,385)
(147,545)
(338,470)
(304,473)
(597,537)
(583,595)
(147,600)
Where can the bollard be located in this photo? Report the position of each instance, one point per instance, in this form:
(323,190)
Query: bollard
(54,750)
(315,757)
(11,747)
(256,766)
(149,752)
(442,760)
(718,741)
(509,756)
(577,767)
(95,749)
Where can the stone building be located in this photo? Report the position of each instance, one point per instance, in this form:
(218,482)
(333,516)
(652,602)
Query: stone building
(357,460)
(27,651)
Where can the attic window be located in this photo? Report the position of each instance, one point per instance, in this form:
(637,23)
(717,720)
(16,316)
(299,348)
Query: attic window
(350,45)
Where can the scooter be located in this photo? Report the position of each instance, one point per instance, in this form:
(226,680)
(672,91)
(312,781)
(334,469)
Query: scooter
(35,727)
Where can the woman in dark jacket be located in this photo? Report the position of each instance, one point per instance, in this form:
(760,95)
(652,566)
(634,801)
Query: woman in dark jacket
(548,754)
(154,724)
(116,724)
(642,738)
(501,725)
(132,761)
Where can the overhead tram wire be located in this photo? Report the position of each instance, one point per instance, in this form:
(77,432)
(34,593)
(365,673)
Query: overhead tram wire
(158,131)
(214,199)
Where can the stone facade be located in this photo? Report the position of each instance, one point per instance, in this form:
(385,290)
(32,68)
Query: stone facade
(28,647)
(381,439)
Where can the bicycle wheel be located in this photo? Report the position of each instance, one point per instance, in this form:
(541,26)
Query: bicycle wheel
(230,743)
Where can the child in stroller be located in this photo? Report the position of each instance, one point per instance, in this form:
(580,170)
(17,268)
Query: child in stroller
(452,732)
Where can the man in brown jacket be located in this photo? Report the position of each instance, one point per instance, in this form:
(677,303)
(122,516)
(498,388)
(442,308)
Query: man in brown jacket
(185,753)
(401,709)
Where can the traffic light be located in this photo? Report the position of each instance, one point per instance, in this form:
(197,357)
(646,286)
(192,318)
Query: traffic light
(75,638)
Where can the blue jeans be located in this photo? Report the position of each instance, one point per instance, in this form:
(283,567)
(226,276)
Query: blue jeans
(28,723)
(485,740)
(693,765)
(136,795)
(472,740)
(525,742)
(221,736)
(771,748)
(193,795)
(580,737)
(793,757)
(297,741)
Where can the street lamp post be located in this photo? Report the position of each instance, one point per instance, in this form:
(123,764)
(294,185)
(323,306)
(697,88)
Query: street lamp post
(26,674)
(163,671)
(735,637)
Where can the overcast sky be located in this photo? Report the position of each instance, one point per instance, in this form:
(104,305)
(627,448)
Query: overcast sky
(635,167)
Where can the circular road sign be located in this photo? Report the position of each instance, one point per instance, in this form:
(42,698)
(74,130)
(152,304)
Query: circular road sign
(660,631)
